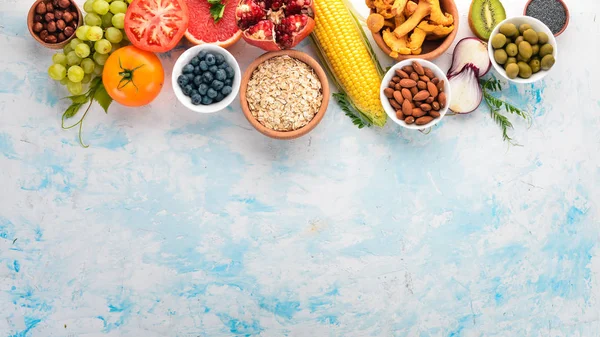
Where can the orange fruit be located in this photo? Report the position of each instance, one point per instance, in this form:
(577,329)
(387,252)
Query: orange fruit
(202,27)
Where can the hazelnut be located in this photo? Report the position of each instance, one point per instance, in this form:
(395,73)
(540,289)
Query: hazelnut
(37,18)
(51,26)
(49,17)
(64,3)
(51,39)
(69,31)
(40,8)
(75,14)
(37,27)
(61,37)
(55,3)
(49,7)
(73,24)
(68,17)
(58,14)
(60,24)
(43,34)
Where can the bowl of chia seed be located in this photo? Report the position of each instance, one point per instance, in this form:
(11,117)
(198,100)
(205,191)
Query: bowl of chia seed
(553,13)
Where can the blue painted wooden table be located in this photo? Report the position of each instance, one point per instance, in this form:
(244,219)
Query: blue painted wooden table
(179,224)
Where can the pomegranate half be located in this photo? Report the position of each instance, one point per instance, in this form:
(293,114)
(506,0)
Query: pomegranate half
(275,24)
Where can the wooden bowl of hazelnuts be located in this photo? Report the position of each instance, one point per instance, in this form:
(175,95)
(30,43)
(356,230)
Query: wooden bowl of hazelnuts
(53,22)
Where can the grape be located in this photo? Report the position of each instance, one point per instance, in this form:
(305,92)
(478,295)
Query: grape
(98,70)
(94,33)
(92,19)
(88,65)
(87,6)
(113,35)
(74,43)
(75,88)
(86,79)
(100,58)
(64,81)
(107,20)
(100,6)
(118,20)
(57,72)
(118,7)
(73,59)
(129,1)
(103,46)
(81,32)
(82,50)
(75,74)
(67,48)
(59,58)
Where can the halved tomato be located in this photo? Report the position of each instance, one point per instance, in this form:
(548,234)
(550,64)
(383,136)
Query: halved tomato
(156,25)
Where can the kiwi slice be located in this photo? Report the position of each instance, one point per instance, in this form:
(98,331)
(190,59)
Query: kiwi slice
(484,15)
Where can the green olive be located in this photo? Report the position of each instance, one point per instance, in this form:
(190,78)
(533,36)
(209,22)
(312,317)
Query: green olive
(535,65)
(512,70)
(547,62)
(524,70)
(518,40)
(530,36)
(546,49)
(509,29)
(535,49)
(524,27)
(511,49)
(521,58)
(509,60)
(500,56)
(542,38)
(525,50)
(498,41)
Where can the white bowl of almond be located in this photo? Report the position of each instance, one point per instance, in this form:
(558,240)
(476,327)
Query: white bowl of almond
(284,94)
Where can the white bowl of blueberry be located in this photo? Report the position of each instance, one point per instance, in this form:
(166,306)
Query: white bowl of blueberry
(206,78)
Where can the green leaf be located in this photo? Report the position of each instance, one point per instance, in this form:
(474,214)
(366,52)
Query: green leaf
(79,99)
(102,97)
(216,9)
(214,2)
(72,110)
(357,118)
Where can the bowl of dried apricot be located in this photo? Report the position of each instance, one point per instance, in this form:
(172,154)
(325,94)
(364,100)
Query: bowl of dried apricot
(406,29)
(284,94)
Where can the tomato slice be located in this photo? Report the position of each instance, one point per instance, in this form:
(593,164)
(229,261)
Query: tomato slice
(156,25)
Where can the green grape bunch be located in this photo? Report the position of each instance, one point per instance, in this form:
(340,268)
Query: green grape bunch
(82,59)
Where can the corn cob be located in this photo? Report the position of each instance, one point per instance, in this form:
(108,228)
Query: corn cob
(351,61)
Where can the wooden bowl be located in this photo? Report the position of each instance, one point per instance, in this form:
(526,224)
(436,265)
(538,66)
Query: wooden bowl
(58,45)
(567,14)
(432,49)
(285,134)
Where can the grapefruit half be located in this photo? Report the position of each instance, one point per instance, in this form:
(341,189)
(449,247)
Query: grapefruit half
(203,28)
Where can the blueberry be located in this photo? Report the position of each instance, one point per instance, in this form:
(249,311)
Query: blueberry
(226,90)
(197,70)
(188,68)
(230,72)
(195,61)
(213,69)
(217,85)
(201,55)
(210,59)
(212,93)
(190,77)
(182,80)
(197,80)
(206,100)
(203,66)
(228,82)
(220,58)
(207,77)
(187,90)
(221,75)
(219,97)
(223,65)
(196,99)
(194,92)
(203,88)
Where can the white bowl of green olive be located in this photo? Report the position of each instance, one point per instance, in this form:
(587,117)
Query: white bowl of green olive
(525,42)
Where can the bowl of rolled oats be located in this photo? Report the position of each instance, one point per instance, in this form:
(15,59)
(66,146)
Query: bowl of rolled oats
(284,94)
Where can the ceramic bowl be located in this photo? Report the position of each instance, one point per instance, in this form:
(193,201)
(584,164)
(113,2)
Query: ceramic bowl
(391,112)
(185,58)
(58,45)
(538,26)
(432,49)
(566,13)
(285,134)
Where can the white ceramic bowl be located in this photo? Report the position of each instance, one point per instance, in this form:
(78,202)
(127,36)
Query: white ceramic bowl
(391,112)
(185,58)
(538,26)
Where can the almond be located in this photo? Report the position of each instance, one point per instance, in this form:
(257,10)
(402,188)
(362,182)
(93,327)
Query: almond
(407,94)
(396,79)
(429,73)
(398,86)
(424,120)
(435,105)
(414,76)
(398,96)
(407,108)
(433,90)
(408,83)
(414,90)
(440,86)
(400,115)
(421,95)
(442,99)
(417,112)
(425,107)
(429,100)
(424,78)
(409,120)
(417,104)
(435,80)
(408,69)
(418,68)
(395,104)
(388,92)
(421,85)
(391,84)
(401,73)
(434,114)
